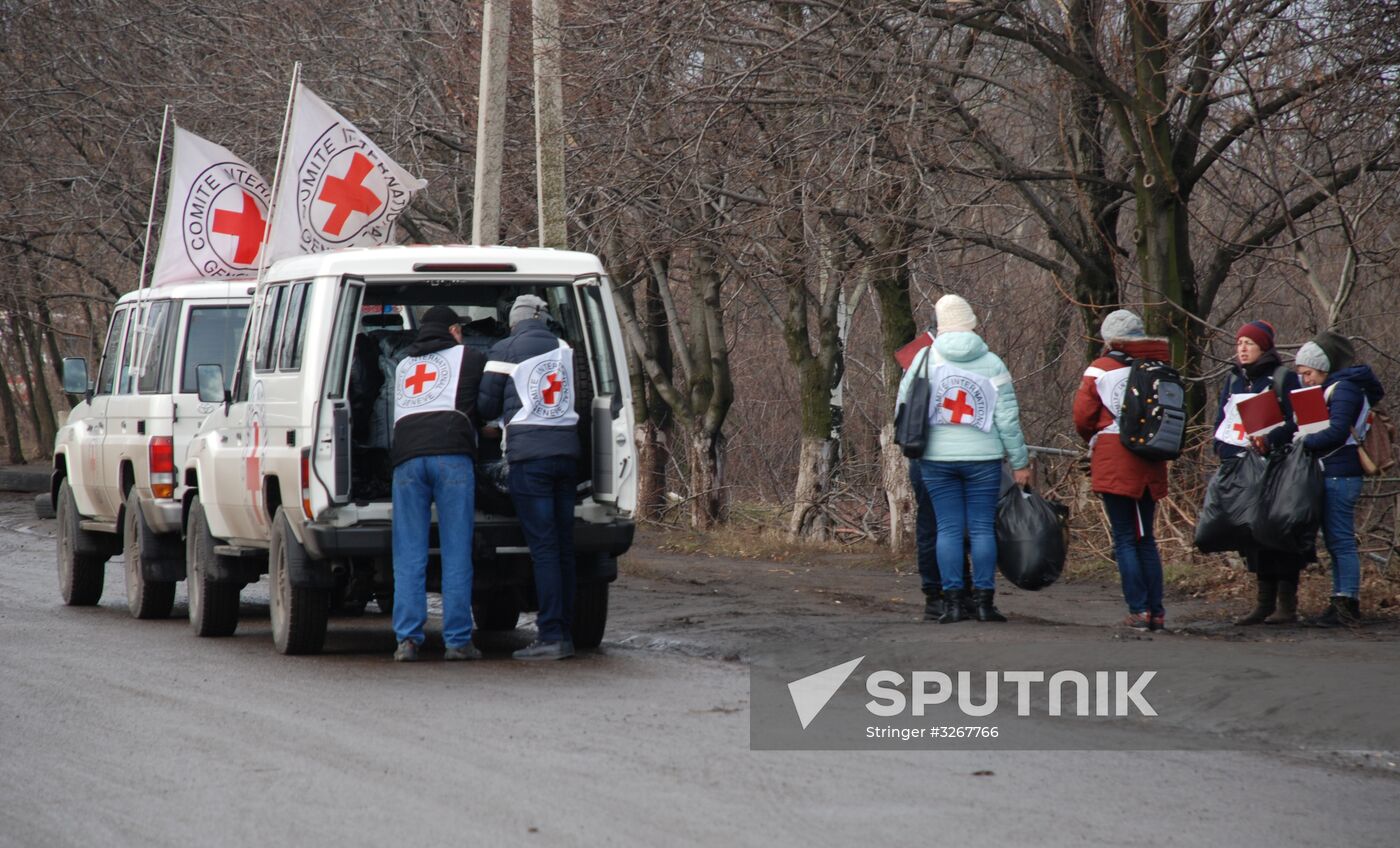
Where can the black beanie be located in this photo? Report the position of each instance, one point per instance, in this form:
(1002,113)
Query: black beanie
(443,316)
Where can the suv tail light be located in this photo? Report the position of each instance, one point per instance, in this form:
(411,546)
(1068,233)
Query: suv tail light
(162,461)
(306,483)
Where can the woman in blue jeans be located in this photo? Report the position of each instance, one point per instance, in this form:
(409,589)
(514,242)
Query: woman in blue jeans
(1350,391)
(975,422)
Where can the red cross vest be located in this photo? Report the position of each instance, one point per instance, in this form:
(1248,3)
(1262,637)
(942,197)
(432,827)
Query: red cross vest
(960,397)
(427,383)
(545,385)
(1231,430)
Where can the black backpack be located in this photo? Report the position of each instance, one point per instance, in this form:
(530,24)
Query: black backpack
(1152,423)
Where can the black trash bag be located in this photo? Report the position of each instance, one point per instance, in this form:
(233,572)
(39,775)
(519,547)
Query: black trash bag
(1227,517)
(1032,539)
(1290,503)
(492,491)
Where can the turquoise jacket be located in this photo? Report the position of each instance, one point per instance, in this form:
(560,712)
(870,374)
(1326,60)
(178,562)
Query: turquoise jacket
(961,443)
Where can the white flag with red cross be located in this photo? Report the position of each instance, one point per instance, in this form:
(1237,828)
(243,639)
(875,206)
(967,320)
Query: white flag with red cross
(215,214)
(337,188)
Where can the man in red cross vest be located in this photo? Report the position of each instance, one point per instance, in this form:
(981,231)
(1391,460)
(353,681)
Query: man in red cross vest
(434,451)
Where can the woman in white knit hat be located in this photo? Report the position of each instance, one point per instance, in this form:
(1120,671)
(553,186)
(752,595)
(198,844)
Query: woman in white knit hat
(975,424)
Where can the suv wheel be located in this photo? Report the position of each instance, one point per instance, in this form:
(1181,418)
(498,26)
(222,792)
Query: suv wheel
(590,614)
(213,603)
(498,610)
(145,599)
(299,613)
(80,571)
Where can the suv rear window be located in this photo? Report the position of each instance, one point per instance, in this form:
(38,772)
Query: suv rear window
(212,338)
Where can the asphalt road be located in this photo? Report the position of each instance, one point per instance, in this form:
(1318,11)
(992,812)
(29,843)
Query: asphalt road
(119,732)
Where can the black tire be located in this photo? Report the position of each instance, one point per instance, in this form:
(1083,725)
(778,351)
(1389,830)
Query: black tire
(43,507)
(80,573)
(499,610)
(146,599)
(213,603)
(385,601)
(590,614)
(299,614)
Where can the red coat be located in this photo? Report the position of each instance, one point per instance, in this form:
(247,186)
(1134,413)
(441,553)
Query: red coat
(1113,468)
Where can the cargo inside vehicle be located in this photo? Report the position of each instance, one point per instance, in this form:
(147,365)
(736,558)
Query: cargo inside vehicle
(385,320)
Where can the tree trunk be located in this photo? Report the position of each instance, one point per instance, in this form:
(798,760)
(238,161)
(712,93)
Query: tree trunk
(491,123)
(549,126)
(890,285)
(14,450)
(21,358)
(39,389)
(653,450)
(899,496)
(707,480)
(815,463)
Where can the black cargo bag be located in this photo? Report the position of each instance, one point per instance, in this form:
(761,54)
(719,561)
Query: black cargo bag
(1226,521)
(911,417)
(1290,503)
(1032,539)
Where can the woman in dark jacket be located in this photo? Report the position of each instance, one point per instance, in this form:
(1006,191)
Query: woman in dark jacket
(1260,370)
(1350,390)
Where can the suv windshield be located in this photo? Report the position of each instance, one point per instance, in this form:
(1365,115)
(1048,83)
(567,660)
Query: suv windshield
(212,339)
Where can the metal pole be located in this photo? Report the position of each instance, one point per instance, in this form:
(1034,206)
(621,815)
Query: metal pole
(137,362)
(491,123)
(277,174)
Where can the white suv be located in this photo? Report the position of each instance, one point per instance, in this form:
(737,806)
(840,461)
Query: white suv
(114,485)
(290,473)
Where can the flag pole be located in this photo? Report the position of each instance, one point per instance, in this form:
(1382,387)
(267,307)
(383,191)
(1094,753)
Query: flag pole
(277,174)
(146,248)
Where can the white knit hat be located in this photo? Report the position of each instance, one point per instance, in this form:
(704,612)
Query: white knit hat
(1122,324)
(954,315)
(1311,355)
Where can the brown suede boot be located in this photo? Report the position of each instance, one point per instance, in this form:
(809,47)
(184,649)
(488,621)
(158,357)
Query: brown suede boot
(1287,612)
(1263,605)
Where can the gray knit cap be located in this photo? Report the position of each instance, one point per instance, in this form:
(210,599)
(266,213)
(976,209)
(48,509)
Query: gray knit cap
(527,306)
(1312,356)
(1122,324)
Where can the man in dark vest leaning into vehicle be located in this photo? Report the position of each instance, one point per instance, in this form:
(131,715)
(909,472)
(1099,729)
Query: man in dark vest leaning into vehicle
(435,397)
(529,383)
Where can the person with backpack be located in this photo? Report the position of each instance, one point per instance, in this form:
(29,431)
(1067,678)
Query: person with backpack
(1350,390)
(1259,369)
(1128,483)
(975,422)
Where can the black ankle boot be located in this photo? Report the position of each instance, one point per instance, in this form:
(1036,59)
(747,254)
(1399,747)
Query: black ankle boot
(954,608)
(933,604)
(1336,606)
(1350,613)
(986,610)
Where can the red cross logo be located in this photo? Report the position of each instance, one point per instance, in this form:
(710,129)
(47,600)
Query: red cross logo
(958,406)
(348,194)
(248,226)
(550,393)
(252,467)
(1240,432)
(421,377)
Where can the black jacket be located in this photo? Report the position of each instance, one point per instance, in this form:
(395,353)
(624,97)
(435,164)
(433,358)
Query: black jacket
(1253,379)
(436,433)
(1350,389)
(499,398)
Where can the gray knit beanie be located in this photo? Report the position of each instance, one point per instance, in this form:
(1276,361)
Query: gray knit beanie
(1312,356)
(527,306)
(1122,324)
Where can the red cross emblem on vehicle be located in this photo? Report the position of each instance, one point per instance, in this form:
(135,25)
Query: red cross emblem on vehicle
(420,378)
(247,227)
(554,386)
(349,194)
(958,406)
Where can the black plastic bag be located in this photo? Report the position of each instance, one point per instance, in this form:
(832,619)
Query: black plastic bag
(911,416)
(492,489)
(1227,517)
(1290,503)
(1032,539)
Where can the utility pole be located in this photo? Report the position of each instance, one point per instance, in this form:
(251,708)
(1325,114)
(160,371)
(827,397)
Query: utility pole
(549,126)
(491,123)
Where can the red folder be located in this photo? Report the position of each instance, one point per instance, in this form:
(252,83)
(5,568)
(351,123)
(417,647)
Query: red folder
(1309,409)
(1261,413)
(905,355)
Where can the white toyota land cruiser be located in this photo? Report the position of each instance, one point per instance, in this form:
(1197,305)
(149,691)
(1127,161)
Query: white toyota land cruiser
(114,486)
(290,472)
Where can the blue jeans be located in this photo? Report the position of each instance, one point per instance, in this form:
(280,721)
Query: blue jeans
(448,480)
(543,493)
(925,531)
(964,496)
(1135,549)
(1339,498)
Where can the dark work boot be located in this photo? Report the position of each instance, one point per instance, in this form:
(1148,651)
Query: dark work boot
(1333,616)
(1350,613)
(1265,601)
(986,610)
(1287,611)
(933,604)
(954,608)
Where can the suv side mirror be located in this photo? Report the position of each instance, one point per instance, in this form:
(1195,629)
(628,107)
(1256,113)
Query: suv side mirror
(210,382)
(75,375)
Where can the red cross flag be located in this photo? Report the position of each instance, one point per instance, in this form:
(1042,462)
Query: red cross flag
(337,188)
(215,214)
